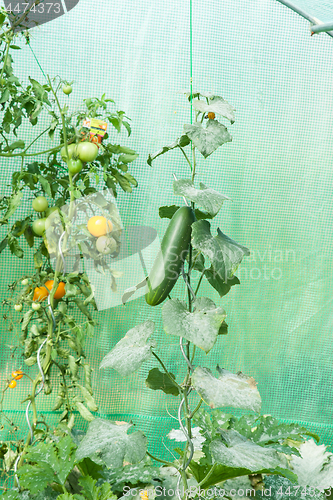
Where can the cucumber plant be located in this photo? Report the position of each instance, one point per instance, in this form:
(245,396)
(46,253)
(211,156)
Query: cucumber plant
(219,448)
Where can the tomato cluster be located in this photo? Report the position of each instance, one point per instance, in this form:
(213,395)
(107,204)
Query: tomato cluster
(101,228)
(16,375)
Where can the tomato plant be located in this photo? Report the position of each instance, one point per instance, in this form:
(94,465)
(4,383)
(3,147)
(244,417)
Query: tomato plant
(53,307)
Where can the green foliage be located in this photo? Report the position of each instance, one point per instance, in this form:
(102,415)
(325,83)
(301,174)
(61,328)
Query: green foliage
(131,351)
(201,327)
(108,443)
(64,463)
(51,462)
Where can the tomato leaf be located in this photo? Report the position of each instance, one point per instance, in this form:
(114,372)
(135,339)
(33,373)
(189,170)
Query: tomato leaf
(38,259)
(14,202)
(39,91)
(15,145)
(84,412)
(4,96)
(88,398)
(131,179)
(3,244)
(29,236)
(26,319)
(15,247)
(45,185)
(20,226)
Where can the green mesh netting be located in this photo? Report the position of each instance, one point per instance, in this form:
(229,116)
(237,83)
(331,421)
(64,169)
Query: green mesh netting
(278,170)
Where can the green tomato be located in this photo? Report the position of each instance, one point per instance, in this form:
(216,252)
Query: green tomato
(50,210)
(38,226)
(25,282)
(74,166)
(67,89)
(18,307)
(40,204)
(3,82)
(87,151)
(35,306)
(71,151)
(106,244)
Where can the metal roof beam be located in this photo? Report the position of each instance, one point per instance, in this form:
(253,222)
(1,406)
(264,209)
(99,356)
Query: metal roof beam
(316,25)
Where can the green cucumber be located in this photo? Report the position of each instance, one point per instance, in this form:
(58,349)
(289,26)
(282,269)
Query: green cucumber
(169,261)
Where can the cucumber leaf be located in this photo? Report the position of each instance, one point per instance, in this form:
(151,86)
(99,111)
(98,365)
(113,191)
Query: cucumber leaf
(113,444)
(216,105)
(229,389)
(157,380)
(131,351)
(224,253)
(315,466)
(208,139)
(209,199)
(201,327)
(220,286)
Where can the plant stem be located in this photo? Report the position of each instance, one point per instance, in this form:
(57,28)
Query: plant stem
(35,140)
(6,57)
(186,157)
(200,280)
(51,150)
(208,475)
(170,464)
(196,409)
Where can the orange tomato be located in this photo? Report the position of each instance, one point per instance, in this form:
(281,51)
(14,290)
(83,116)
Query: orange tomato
(12,384)
(60,291)
(211,115)
(17,374)
(99,226)
(40,294)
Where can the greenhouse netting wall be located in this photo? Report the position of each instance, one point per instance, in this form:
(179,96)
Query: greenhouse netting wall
(277,172)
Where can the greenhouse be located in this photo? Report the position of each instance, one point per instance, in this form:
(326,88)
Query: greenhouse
(166,224)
